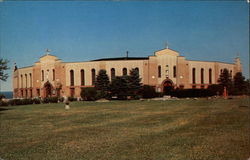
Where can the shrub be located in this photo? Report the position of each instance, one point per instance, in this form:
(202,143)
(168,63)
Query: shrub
(50,100)
(14,102)
(3,103)
(53,99)
(89,94)
(148,91)
(72,99)
(36,100)
(159,94)
(61,99)
(136,97)
(26,101)
(45,100)
(182,93)
(11,102)
(215,89)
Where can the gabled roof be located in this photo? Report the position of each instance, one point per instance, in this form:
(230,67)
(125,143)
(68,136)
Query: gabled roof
(166,51)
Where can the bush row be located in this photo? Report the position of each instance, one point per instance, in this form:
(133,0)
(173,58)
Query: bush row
(14,102)
(182,93)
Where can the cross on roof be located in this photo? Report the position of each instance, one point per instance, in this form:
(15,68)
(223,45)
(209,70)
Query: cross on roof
(166,45)
(47,51)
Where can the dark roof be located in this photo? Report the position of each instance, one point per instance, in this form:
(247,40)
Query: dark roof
(121,58)
(210,61)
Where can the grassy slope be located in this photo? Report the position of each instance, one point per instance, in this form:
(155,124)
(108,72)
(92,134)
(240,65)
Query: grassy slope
(176,129)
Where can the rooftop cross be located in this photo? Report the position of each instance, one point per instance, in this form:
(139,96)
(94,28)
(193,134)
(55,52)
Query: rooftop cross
(166,45)
(47,51)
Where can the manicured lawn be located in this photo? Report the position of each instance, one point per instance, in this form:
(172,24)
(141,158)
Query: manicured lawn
(132,130)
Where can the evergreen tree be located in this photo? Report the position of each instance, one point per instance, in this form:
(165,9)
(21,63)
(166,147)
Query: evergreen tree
(120,87)
(225,80)
(239,85)
(3,67)
(247,84)
(102,83)
(134,82)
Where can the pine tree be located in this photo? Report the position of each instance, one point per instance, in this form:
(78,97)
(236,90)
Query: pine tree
(3,67)
(134,82)
(120,87)
(102,83)
(239,85)
(225,80)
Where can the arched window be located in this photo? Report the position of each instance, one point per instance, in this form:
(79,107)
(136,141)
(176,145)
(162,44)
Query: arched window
(193,73)
(30,80)
(93,76)
(42,75)
(71,78)
(137,69)
(82,78)
(159,71)
(221,71)
(202,76)
(210,76)
(21,81)
(53,74)
(112,73)
(231,72)
(174,71)
(124,71)
(26,81)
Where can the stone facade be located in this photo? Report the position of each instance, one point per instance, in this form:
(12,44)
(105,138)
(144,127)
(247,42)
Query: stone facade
(166,68)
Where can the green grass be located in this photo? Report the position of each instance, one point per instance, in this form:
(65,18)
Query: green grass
(132,130)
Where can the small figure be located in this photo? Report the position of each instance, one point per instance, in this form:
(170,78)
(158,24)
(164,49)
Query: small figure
(66,101)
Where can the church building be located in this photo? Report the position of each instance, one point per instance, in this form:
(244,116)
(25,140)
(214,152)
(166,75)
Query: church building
(165,69)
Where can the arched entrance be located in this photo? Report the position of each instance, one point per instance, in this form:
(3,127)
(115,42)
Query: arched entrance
(167,86)
(48,89)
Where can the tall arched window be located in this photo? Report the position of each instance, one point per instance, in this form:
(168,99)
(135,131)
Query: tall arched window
(71,78)
(30,80)
(93,76)
(112,73)
(174,71)
(159,71)
(231,73)
(124,71)
(42,75)
(137,69)
(210,76)
(193,73)
(82,78)
(26,81)
(21,81)
(202,76)
(53,74)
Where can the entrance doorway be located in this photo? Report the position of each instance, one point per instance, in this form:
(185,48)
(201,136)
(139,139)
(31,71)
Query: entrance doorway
(167,87)
(47,89)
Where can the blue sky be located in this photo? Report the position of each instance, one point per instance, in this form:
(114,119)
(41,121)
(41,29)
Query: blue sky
(84,30)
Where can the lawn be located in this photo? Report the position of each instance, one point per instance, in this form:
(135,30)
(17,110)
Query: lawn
(133,130)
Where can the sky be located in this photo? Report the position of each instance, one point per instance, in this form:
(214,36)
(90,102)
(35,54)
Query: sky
(84,30)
